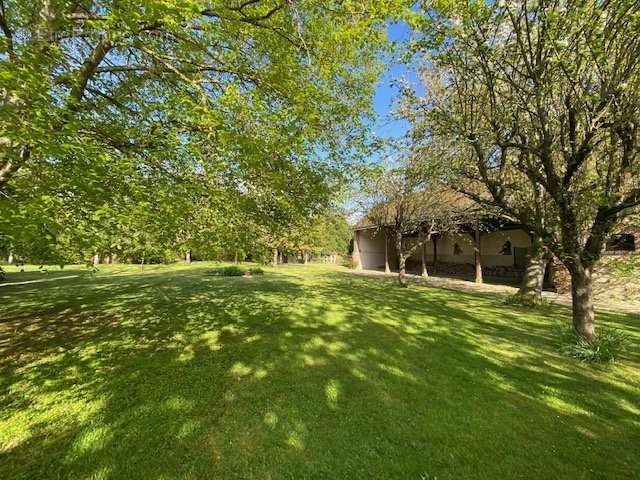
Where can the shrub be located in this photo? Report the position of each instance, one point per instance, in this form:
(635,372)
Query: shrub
(517,300)
(231,271)
(603,348)
(234,271)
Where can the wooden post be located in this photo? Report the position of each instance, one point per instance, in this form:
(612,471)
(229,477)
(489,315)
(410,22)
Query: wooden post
(425,274)
(356,250)
(386,253)
(478,257)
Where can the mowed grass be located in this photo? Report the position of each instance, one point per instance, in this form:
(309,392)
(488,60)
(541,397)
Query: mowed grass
(305,372)
(31,273)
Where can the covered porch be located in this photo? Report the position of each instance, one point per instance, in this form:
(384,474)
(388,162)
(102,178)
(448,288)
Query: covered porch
(494,256)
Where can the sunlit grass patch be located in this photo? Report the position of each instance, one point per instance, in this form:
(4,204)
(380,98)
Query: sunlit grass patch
(164,372)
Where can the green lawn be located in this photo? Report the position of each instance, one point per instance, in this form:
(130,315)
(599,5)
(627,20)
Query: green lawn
(28,273)
(305,372)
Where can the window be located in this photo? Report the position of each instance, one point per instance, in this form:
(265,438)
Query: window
(622,242)
(456,249)
(506,248)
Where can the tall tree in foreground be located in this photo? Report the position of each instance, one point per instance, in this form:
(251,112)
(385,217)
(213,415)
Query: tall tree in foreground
(251,100)
(539,101)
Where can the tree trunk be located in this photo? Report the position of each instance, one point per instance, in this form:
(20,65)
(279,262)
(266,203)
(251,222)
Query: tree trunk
(478,257)
(435,254)
(235,257)
(95,259)
(402,270)
(401,261)
(274,260)
(9,166)
(356,251)
(305,257)
(533,278)
(582,300)
(425,274)
(386,253)
(187,256)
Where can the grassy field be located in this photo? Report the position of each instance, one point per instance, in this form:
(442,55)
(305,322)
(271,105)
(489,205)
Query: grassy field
(305,372)
(30,273)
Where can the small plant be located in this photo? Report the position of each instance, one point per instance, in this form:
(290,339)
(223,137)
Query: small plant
(625,266)
(234,271)
(518,300)
(605,347)
(230,271)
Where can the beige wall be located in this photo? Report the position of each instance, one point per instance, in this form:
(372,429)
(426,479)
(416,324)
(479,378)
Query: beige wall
(372,248)
(492,243)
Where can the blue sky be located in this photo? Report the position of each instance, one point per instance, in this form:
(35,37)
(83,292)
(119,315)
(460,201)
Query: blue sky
(385,94)
(385,126)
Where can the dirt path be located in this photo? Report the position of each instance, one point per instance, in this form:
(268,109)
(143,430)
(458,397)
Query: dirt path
(631,307)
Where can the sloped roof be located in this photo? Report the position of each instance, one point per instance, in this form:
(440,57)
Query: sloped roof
(445,196)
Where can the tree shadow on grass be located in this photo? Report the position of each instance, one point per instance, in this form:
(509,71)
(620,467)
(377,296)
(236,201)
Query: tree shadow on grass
(183,376)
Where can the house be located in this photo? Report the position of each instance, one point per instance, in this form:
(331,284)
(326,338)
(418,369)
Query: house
(493,249)
(502,251)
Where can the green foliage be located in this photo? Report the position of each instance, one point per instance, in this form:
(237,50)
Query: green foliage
(226,271)
(518,300)
(605,347)
(329,234)
(137,127)
(624,267)
(233,271)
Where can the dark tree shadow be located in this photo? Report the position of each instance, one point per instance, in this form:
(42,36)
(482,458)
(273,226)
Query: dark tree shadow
(178,375)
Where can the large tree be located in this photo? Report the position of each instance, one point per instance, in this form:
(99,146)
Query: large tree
(259,103)
(539,101)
